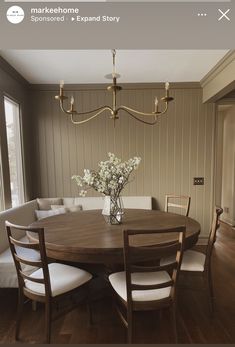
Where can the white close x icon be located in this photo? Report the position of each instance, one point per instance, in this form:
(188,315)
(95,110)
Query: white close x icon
(224,14)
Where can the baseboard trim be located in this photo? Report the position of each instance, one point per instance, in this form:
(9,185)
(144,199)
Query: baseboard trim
(202,241)
(228,221)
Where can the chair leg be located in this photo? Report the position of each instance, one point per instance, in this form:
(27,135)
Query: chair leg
(130,326)
(173,318)
(48,321)
(210,292)
(19,313)
(90,313)
(34,306)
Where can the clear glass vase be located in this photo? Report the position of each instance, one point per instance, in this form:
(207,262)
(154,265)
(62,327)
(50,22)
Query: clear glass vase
(113,209)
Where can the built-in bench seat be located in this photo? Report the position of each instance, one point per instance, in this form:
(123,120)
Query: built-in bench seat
(8,277)
(96,203)
(25,215)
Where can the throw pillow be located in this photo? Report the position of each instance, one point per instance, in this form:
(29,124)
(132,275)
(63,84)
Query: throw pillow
(45,203)
(74,208)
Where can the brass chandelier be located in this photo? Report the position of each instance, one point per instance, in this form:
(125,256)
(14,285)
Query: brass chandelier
(114,109)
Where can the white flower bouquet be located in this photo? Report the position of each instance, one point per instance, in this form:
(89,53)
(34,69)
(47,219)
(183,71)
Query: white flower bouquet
(109,180)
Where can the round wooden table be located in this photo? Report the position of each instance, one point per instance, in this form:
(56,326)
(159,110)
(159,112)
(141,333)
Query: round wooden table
(86,237)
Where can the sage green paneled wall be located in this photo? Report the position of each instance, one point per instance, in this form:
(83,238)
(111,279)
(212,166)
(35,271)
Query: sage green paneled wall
(178,148)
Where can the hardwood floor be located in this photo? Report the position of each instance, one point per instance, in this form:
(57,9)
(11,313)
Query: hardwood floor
(194,322)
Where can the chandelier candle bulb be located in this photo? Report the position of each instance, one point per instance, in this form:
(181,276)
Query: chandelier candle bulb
(114,88)
(156,104)
(113,51)
(167,87)
(61,88)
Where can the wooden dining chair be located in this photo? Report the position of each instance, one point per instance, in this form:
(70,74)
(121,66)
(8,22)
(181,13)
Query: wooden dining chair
(178,201)
(199,263)
(48,283)
(144,286)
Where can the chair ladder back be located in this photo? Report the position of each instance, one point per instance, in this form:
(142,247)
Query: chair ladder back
(34,245)
(179,257)
(140,268)
(13,252)
(18,259)
(212,236)
(185,206)
(158,251)
(22,260)
(139,253)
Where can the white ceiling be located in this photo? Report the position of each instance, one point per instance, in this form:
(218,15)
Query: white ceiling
(90,66)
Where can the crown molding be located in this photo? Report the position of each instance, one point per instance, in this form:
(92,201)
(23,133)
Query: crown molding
(220,81)
(126,86)
(4,65)
(218,68)
(10,70)
(230,95)
(226,102)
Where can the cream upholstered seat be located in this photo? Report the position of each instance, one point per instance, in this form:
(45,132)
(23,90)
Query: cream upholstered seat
(48,283)
(63,278)
(192,261)
(118,282)
(144,286)
(25,215)
(199,263)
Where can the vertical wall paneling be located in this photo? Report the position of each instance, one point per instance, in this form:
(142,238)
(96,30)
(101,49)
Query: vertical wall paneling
(178,148)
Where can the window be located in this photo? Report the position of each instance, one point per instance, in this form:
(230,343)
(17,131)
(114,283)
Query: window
(1,187)
(12,115)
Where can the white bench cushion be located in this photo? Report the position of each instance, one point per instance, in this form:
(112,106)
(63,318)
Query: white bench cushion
(118,282)
(97,203)
(68,202)
(8,275)
(90,203)
(139,202)
(25,215)
(63,279)
(21,215)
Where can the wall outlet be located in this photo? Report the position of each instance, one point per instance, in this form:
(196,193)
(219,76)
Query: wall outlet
(226,209)
(198,181)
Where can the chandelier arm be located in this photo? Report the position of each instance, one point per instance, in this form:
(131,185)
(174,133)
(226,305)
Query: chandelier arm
(125,108)
(92,117)
(140,120)
(114,110)
(63,109)
(70,112)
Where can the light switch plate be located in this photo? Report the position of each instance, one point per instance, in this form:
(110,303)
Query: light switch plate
(198,181)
